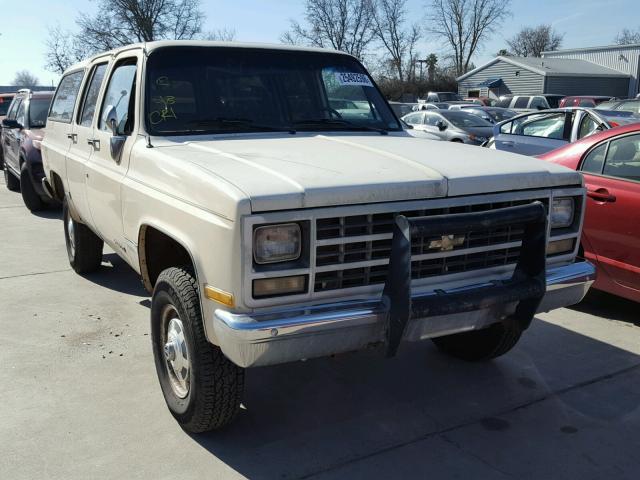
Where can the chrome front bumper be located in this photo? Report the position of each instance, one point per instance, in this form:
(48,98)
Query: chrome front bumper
(251,340)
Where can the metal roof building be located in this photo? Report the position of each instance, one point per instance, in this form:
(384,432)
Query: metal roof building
(623,58)
(531,76)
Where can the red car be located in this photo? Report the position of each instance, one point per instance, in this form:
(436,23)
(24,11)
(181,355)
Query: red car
(610,163)
(583,101)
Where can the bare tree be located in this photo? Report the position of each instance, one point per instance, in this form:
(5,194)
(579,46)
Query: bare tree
(627,36)
(398,39)
(121,22)
(532,41)
(465,25)
(220,35)
(25,78)
(340,24)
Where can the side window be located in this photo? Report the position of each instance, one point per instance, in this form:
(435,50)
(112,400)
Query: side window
(588,126)
(538,103)
(549,125)
(119,96)
(431,119)
(521,102)
(623,158)
(13,108)
(594,160)
(91,95)
(413,119)
(21,117)
(506,128)
(65,99)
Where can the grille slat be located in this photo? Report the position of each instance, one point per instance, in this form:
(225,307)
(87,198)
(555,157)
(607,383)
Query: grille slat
(350,249)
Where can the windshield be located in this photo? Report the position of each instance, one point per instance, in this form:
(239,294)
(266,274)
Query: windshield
(226,90)
(38,108)
(4,105)
(464,119)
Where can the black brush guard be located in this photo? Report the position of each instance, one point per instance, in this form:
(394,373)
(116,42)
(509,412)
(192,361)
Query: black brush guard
(527,285)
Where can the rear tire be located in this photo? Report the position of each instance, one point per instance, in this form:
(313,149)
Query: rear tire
(29,195)
(481,345)
(84,248)
(10,180)
(202,388)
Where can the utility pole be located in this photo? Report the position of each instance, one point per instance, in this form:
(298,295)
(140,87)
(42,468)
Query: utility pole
(421,62)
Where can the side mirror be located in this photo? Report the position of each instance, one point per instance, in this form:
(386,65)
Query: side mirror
(110,118)
(441,125)
(6,123)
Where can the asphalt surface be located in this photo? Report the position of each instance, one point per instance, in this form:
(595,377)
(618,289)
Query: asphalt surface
(80,399)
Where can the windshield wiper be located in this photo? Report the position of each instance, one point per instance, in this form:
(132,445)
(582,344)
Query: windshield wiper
(335,122)
(238,122)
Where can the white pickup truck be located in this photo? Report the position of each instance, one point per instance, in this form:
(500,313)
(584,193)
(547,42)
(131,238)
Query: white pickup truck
(274,205)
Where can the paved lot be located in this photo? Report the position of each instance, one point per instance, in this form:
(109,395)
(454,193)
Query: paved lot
(80,398)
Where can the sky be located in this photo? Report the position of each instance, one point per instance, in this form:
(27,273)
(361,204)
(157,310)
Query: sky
(24,24)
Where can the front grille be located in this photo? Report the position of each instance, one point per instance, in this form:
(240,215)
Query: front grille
(366,240)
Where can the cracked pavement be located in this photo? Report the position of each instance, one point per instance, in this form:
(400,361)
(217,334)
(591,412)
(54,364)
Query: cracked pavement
(80,397)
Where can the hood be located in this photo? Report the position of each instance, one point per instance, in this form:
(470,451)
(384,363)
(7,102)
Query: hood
(282,171)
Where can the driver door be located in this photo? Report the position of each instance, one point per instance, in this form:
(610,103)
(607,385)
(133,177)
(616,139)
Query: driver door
(105,172)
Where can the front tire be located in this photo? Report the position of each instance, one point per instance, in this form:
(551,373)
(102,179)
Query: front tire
(84,248)
(202,388)
(29,195)
(481,345)
(10,180)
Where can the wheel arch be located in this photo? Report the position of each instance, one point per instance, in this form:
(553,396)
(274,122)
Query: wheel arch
(158,250)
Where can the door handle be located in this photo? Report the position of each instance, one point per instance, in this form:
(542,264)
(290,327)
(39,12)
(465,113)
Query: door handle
(94,142)
(601,195)
(73,137)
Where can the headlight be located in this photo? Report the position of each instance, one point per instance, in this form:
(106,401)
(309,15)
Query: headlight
(562,212)
(277,243)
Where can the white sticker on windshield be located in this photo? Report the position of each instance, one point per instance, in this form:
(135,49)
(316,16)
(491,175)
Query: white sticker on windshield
(345,78)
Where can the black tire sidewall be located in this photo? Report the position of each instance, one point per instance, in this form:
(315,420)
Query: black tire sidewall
(29,195)
(181,408)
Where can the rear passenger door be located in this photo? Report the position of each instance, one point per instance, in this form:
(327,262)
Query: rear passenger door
(80,150)
(105,173)
(612,175)
(59,130)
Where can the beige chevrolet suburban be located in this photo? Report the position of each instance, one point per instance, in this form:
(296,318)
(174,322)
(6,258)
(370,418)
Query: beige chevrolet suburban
(274,205)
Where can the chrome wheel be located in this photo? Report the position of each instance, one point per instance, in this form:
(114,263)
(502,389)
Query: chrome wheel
(71,237)
(176,352)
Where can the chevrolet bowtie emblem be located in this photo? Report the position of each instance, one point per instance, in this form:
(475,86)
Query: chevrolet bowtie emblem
(447,242)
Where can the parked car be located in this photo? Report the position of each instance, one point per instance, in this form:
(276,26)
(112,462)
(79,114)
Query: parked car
(632,105)
(610,164)
(528,103)
(540,132)
(21,138)
(269,228)
(583,101)
(5,101)
(490,114)
(451,125)
(401,109)
(437,97)
(484,101)
(430,106)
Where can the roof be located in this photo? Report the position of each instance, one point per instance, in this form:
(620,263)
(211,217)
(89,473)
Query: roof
(151,46)
(553,67)
(629,46)
(12,89)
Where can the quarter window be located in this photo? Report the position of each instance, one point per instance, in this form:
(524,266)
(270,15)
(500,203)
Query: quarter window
(594,160)
(623,158)
(414,119)
(118,96)
(65,99)
(91,95)
(588,126)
